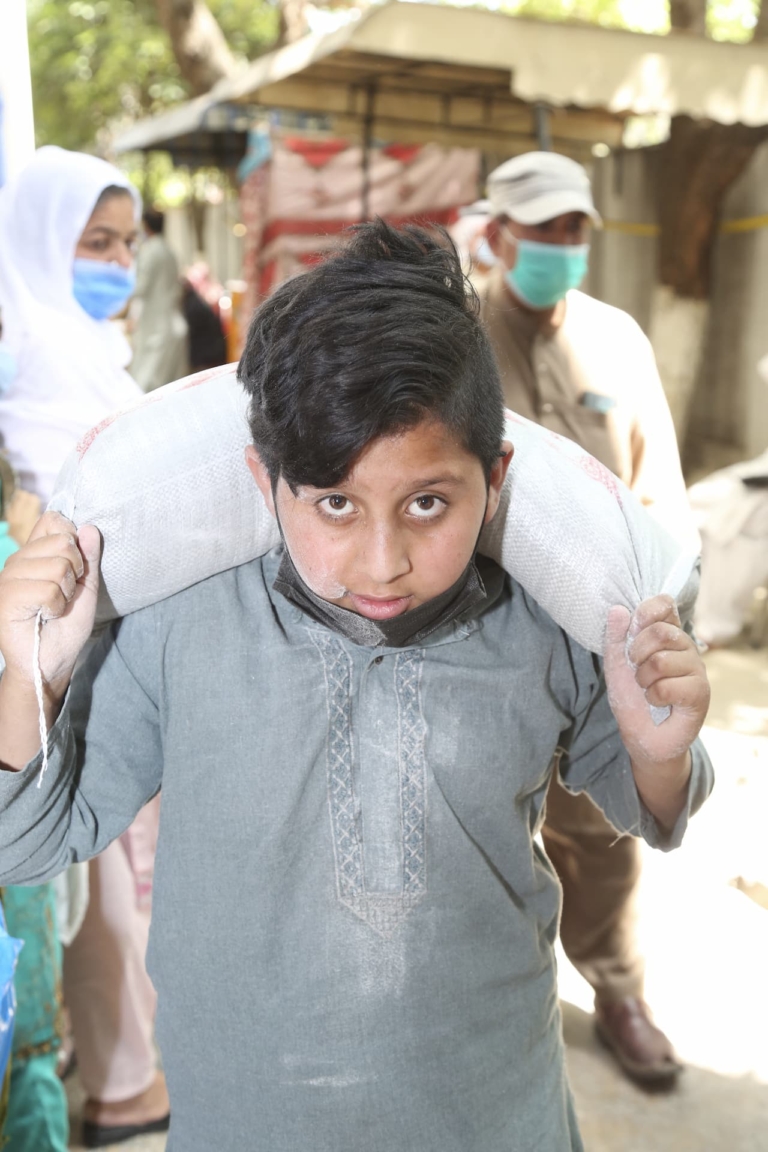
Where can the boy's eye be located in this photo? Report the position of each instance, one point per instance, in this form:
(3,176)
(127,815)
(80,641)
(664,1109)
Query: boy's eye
(426,507)
(336,505)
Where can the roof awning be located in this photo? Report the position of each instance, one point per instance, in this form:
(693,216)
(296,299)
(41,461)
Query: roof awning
(462,76)
(201,131)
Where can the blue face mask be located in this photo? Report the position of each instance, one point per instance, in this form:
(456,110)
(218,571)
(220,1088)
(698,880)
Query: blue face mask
(544,273)
(8,369)
(102,289)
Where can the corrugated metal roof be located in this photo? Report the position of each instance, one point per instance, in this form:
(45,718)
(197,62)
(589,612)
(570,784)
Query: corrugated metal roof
(467,76)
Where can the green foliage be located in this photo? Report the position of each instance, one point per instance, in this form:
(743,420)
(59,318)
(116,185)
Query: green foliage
(250,26)
(726,19)
(732,19)
(100,64)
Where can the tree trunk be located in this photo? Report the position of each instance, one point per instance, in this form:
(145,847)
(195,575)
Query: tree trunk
(293,21)
(761,28)
(688,16)
(697,166)
(198,43)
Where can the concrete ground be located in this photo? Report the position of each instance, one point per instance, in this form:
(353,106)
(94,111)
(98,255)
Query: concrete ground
(704,929)
(703,922)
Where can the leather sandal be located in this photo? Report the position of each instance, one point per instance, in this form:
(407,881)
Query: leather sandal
(627,1030)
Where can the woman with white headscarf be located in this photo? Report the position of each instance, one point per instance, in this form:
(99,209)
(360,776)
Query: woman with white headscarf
(68,227)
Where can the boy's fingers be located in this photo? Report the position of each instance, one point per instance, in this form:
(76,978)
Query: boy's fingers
(89,542)
(616,628)
(661,637)
(664,665)
(656,610)
(31,596)
(687,692)
(56,569)
(52,524)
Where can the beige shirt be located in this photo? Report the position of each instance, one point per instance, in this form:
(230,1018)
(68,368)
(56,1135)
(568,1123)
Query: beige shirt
(593,379)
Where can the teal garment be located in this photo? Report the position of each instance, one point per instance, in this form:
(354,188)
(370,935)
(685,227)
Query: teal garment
(37,1119)
(7,543)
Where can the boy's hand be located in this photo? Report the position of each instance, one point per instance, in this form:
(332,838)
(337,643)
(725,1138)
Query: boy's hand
(57,571)
(649,659)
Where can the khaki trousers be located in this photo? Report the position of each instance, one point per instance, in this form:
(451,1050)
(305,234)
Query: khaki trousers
(599,873)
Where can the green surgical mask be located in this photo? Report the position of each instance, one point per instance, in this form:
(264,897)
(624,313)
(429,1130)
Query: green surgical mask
(544,273)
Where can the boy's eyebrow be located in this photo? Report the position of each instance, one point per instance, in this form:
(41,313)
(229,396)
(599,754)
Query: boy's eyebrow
(446,479)
(434,481)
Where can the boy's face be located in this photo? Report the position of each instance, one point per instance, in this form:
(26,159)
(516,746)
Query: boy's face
(398,531)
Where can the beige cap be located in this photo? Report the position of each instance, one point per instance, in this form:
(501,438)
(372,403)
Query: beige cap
(539,186)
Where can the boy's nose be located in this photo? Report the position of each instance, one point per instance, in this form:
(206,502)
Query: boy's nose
(385,556)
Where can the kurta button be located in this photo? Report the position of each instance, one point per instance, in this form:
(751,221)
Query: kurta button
(378,660)
(547,408)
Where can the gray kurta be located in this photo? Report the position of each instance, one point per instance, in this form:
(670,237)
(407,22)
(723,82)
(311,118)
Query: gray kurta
(353,929)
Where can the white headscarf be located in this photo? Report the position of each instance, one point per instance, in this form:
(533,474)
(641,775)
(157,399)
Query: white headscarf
(70,367)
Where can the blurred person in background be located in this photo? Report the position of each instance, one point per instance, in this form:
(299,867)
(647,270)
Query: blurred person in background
(207,339)
(731,510)
(586,371)
(469,235)
(159,330)
(68,227)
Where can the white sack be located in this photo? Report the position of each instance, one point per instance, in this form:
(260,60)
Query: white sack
(166,483)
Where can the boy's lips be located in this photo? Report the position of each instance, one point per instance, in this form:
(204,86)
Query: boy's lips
(379,607)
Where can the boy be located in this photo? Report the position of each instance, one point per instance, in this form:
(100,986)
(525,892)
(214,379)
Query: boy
(353,928)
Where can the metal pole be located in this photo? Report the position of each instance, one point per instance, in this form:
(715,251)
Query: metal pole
(17,143)
(365,192)
(541,122)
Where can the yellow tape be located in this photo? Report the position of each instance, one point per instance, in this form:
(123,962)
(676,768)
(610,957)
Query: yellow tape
(728,227)
(746,224)
(630,229)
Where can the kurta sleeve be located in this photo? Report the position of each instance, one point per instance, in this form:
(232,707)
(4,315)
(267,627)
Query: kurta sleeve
(105,763)
(595,761)
(657,476)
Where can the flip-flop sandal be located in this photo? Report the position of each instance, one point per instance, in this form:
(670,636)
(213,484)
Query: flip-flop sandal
(102,1135)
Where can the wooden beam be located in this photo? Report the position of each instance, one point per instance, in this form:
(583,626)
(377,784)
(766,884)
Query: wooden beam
(413,132)
(493,116)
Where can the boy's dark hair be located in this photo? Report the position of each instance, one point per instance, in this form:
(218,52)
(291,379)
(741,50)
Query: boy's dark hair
(369,343)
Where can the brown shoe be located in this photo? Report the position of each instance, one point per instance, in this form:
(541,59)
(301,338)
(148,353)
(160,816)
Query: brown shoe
(625,1027)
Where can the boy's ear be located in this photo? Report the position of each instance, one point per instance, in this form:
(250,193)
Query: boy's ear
(494,237)
(260,475)
(496,482)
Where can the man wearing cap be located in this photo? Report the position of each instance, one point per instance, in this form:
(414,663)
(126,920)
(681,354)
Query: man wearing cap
(586,371)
